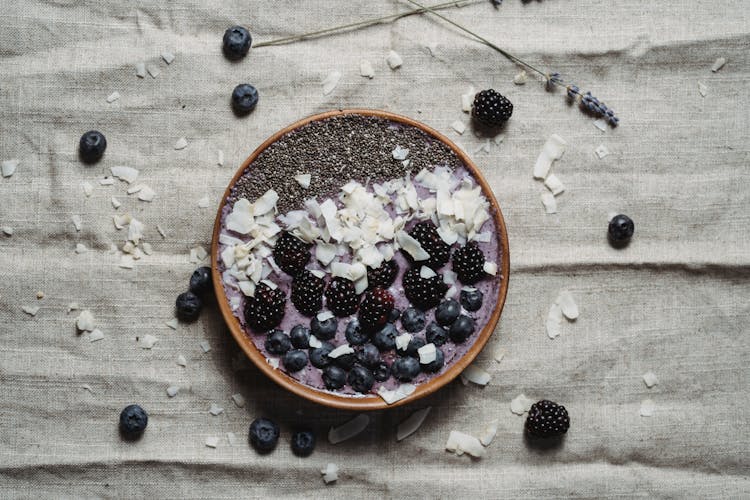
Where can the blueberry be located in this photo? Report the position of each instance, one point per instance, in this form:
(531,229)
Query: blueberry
(436,364)
(237,42)
(413,320)
(368,355)
(405,369)
(411,349)
(360,379)
(334,377)
(188,306)
(355,335)
(324,330)
(133,421)
(295,360)
(461,329)
(447,312)
(300,336)
(244,98)
(200,281)
(436,334)
(471,299)
(385,338)
(394,315)
(621,229)
(278,342)
(381,372)
(91,146)
(303,443)
(319,356)
(264,434)
(345,361)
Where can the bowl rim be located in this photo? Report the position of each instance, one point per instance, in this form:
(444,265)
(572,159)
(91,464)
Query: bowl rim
(370,402)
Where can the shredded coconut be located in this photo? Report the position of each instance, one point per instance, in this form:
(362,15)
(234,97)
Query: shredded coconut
(85,321)
(172,391)
(8,167)
(476,375)
(148,341)
(601,151)
(331,81)
(140,70)
(153,70)
(718,64)
(330,473)
(650,379)
(204,345)
(520,404)
(366,69)
(552,150)
(459,127)
(204,202)
(648,407)
(30,310)
(215,410)
(349,429)
(394,60)
(181,143)
(76,222)
(167,56)
(521,78)
(181,360)
(212,442)
(239,400)
(113,97)
(411,424)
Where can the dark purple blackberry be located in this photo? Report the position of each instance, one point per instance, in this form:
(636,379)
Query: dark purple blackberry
(375,308)
(423,293)
(307,293)
(291,253)
(382,276)
(341,297)
(490,108)
(468,263)
(426,234)
(265,310)
(547,419)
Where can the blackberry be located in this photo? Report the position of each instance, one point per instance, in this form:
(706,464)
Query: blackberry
(547,419)
(375,309)
(341,297)
(468,263)
(291,253)
(426,234)
(382,276)
(265,310)
(490,108)
(307,292)
(424,293)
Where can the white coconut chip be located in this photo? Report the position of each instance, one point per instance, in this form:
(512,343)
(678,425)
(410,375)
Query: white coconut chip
(499,354)
(330,473)
(601,124)
(650,379)
(401,392)
(402,341)
(349,429)
(7,230)
(95,335)
(554,184)
(173,391)
(648,407)
(718,64)
(324,316)
(8,167)
(135,230)
(521,78)
(76,222)
(567,305)
(30,310)
(459,127)
(172,323)
(81,248)
(520,404)
(205,347)
(552,150)
(212,442)
(399,153)
(153,70)
(427,354)
(601,151)
(232,438)
(303,180)
(394,60)
(106,181)
(140,70)
(147,341)
(459,443)
(330,82)
(113,97)
(181,360)
(265,203)
(220,158)
(204,202)
(167,56)
(426,272)
(451,292)
(554,321)
(407,243)
(490,268)
(466,102)
(215,410)
(181,143)
(340,351)
(85,321)
(476,375)
(549,202)
(135,189)
(127,174)
(147,248)
(146,194)
(73,306)
(116,203)
(702,89)
(411,424)
(366,69)
(488,433)
(239,400)
(314,342)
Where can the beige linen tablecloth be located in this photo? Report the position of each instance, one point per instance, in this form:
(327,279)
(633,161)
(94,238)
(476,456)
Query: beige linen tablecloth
(675,302)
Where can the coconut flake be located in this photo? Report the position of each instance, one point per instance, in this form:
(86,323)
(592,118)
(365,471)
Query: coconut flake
(331,81)
(349,429)
(204,202)
(95,335)
(314,342)
(265,203)
(399,153)
(549,202)
(650,379)
(181,143)
(7,230)
(552,150)
(426,272)
(554,184)
(220,158)
(318,273)
(488,433)
(239,400)
(212,442)
(394,60)
(648,407)
(215,410)
(554,321)
(402,341)
(567,305)
(8,167)
(140,70)
(410,425)
(340,351)
(520,404)
(135,231)
(401,392)
(106,181)
(601,151)
(366,69)
(412,246)
(476,375)
(205,347)
(459,127)
(85,321)
(167,56)
(173,391)
(303,180)
(73,306)
(427,354)
(330,473)
(30,310)
(702,89)
(324,316)
(521,78)
(499,354)
(490,268)
(80,248)
(601,124)
(464,443)
(113,97)
(127,174)
(181,360)
(147,341)
(718,64)
(147,248)
(467,99)
(88,189)
(153,70)
(146,194)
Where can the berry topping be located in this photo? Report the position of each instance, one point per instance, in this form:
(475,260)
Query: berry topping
(264,434)
(447,312)
(341,297)
(236,42)
(244,98)
(266,309)
(278,342)
(413,320)
(490,108)
(368,355)
(375,309)
(405,369)
(319,356)
(385,338)
(91,146)
(621,229)
(461,329)
(436,364)
(423,293)
(188,306)
(468,263)
(360,379)
(381,371)
(200,281)
(295,360)
(411,349)
(133,421)
(345,361)
(382,276)
(395,314)
(471,299)
(436,334)
(547,419)
(355,334)
(291,253)
(426,234)
(334,377)
(324,330)
(307,292)
(303,443)
(300,336)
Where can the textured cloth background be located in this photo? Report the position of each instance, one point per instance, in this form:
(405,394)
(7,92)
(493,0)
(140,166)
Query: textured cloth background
(674,302)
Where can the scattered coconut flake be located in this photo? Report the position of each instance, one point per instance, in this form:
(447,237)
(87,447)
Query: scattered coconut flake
(330,473)
(412,246)
(173,391)
(40,295)
(648,407)
(204,202)
(324,316)
(146,194)
(459,443)
(476,375)
(135,189)
(220,158)
(394,60)
(649,378)
(8,167)
(331,81)
(426,272)
(366,69)
(204,345)
(340,351)
(231,438)
(96,335)
(488,433)
(172,323)
(274,362)
(601,151)
(265,203)
(554,184)
(458,126)
(116,203)
(702,89)
(76,222)
(239,400)
(466,101)
(499,354)
(212,442)
(349,429)
(718,64)
(127,174)
(161,231)
(601,124)
(73,306)
(81,248)
(167,56)
(567,305)
(490,268)
(411,424)
(215,410)
(314,342)
(113,97)
(85,321)
(87,387)
(140,70)
(30,310)
(153,70)
(520,404)
(427,353)
(303,180)
(400,153)
(181,360)
(181,143)
(552,150)
(148,341)
(106,181)
(135,230)
(8,230)
(402,341)
(521,78)
(401,392)
(554,321)
(147,248)
(549,202)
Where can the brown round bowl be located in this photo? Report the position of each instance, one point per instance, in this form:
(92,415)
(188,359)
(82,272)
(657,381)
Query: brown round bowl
(370,402)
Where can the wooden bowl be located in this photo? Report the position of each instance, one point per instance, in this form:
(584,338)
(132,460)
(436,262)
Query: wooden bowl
(371,402)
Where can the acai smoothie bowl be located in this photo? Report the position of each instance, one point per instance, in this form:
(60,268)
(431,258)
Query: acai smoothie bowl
(360,259)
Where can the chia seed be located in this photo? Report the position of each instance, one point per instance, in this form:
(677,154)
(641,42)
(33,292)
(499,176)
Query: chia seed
(336,150)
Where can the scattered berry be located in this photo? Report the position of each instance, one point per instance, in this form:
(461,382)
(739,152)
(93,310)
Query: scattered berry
(345,361)
(461,329)
(266,309)
(188,306)
(436,334)
(412,347)
(200,281)
(382,276)
(381,371)
(300,336)
(334,377)
(278,342)
(426,234)
(436,364)
(341,297)
(295,360)
(244,98)
(490,108)
(394,316)
(471,299)
(91,146)
(237,42)
(355,334)
(547,419)
(405,369)
(307,292)
(385,338)
(133,421)
(360,379)
(264,434)
(324,330)
(447,312)
(413,320)
(621,229)
(303,443)
(368,355)
(291,253)
(468,263)
(319,356)
(424,293)
(375,309)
